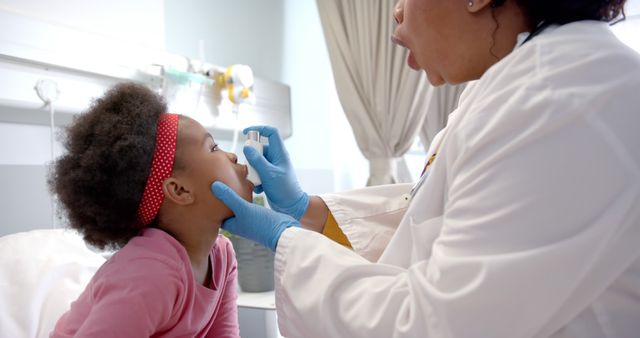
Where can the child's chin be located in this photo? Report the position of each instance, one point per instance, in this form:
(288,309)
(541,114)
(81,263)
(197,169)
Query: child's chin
(247,192)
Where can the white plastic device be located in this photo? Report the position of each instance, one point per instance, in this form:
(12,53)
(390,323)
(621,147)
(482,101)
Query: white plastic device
(253,140)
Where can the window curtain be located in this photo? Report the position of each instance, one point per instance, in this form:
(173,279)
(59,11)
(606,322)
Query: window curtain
(383,99)
(441,101)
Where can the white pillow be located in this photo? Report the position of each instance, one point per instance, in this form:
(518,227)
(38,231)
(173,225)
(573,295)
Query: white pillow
(42,272)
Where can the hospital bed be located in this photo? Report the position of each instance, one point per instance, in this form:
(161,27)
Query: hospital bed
(43,271)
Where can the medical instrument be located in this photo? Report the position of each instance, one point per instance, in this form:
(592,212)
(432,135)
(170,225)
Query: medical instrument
(182,77)
(253,140)
(282,189)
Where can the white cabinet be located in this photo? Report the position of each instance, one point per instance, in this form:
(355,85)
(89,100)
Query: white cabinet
(257,315)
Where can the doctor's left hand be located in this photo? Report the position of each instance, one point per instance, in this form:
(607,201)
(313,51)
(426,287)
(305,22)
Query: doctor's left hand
(252,221)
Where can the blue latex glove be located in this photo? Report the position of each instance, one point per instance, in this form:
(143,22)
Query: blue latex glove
(252,221)
(278,178)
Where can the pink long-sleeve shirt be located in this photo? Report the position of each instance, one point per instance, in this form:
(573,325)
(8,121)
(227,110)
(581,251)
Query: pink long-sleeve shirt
(147,289)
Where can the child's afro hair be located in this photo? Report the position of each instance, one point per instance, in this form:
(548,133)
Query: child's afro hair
(100,179)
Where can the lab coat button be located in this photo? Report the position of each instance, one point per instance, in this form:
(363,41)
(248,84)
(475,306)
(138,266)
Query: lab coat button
(406,197)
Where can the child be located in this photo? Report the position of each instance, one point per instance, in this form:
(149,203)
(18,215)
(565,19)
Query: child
(137,178)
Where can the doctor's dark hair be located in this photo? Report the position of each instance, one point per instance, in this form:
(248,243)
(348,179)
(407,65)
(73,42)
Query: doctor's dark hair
(542,13)
(100,179)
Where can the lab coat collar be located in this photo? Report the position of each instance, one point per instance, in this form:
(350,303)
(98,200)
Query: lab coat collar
(521,38)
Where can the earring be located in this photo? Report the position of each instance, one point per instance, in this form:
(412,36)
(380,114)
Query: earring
(470,3)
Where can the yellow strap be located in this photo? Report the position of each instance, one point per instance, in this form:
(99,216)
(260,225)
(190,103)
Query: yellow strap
(333,231)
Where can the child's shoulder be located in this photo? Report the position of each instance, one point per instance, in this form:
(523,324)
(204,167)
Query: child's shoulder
(141,262)
(223,244)
(224,248)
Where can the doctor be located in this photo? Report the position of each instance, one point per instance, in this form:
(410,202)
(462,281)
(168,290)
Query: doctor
(526,224)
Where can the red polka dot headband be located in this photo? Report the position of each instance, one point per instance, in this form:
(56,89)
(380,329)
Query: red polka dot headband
(161,167)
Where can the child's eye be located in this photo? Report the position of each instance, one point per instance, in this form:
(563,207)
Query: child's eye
(214,148)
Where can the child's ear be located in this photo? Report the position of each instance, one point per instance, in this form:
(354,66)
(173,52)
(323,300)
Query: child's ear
(177,192)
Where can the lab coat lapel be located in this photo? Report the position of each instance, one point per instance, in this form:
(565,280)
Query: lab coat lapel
(427,206)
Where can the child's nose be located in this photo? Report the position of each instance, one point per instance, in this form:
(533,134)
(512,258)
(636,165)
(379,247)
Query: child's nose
(233,157)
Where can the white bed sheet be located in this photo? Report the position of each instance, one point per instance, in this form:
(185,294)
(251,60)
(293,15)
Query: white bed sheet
(41,273)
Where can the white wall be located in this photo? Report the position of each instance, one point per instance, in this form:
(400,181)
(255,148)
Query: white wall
(25,148)
(139,21)
(232,32)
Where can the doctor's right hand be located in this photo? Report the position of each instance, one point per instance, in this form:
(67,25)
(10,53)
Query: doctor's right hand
(252,221)
(276,173)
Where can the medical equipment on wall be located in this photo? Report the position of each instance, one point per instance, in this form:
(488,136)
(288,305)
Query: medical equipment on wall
(184,89)
(253,140)
(232,88)
(48,92)
(236,85)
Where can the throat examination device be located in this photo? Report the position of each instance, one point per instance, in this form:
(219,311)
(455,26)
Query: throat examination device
(253,140)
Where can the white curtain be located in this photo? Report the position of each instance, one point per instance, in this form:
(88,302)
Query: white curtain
(381,96)
(441,101)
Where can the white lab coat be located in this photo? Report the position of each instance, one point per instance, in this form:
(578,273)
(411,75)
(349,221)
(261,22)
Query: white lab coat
(527,225)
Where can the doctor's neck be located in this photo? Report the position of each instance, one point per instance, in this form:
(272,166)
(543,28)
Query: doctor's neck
(493,36)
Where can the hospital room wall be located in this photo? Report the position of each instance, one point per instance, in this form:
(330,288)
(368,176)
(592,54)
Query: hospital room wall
(319,123)
(281,40)
(140,22)
(25,148)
